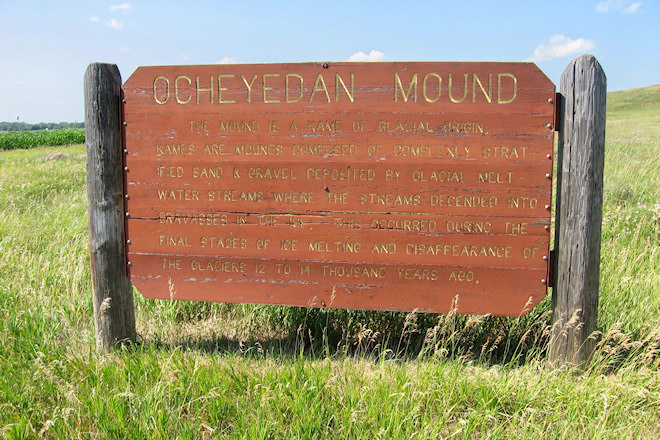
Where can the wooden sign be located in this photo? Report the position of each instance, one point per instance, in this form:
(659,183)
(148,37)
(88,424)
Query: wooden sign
(387,186)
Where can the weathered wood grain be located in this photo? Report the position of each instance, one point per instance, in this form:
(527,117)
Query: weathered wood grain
(114,317)
(393,186)
(321,283)
(582,149)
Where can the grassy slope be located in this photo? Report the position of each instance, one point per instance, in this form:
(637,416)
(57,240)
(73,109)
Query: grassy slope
(210,370)
(630,261)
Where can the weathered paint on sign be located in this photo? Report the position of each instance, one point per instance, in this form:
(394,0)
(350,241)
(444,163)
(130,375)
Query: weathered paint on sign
(388,186)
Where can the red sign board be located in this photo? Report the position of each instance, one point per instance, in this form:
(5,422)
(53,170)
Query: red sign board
(387,186)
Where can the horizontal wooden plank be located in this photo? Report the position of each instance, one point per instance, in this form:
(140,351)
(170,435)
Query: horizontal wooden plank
(253,198)
(406,138)
(232,222)
(497,87)
(375,176)
(325,242)
(375,286)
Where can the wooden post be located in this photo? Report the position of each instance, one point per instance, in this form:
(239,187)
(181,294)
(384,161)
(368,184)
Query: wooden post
(579,212)
(113,295)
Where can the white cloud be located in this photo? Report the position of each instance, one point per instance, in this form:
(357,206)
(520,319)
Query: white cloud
(123,8)
(125,50)
(115,24)
(560,46)
(94,19)
(227,60)
(374,55)
(622,6)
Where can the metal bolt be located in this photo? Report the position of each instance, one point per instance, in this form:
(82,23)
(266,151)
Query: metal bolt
(125,151)
(125,168)
(128,241)
(323,303)
(326,189)
(547,228)
(129,263)
(543,281)
(548,175)
(126,196)
(325,65)
(125,123)
(548,125)
(549,156)
(551,101)
(545,258)
(547,207)
(128,214)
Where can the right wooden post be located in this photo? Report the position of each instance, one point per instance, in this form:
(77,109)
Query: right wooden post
(581,153)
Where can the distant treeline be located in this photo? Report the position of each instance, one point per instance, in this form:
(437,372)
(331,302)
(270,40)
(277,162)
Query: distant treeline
(24,126)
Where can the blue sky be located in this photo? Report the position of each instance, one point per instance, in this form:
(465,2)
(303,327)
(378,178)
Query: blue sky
(46,46)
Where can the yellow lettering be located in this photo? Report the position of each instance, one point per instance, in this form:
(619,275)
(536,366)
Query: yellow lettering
(293,197)
(178,194)
(462,276)
(288,88)
(173,241)
(499,88)
(319,86)
(354,271)
(383,248)
(218,266)
(412,86)
(220,89)
(338,81)
(200,89)
(465,87)
(176,89)
(266,89)
(171,264)
(167,89)
(418,274)
(425,89)
(475,81)
(248,86)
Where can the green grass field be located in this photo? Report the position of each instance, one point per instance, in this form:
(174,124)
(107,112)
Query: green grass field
(205,370)
(13,140)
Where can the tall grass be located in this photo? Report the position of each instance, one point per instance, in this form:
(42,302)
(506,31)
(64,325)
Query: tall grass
(203,370)
(630,262)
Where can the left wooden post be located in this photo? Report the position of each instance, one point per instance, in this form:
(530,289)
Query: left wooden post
(114,314)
